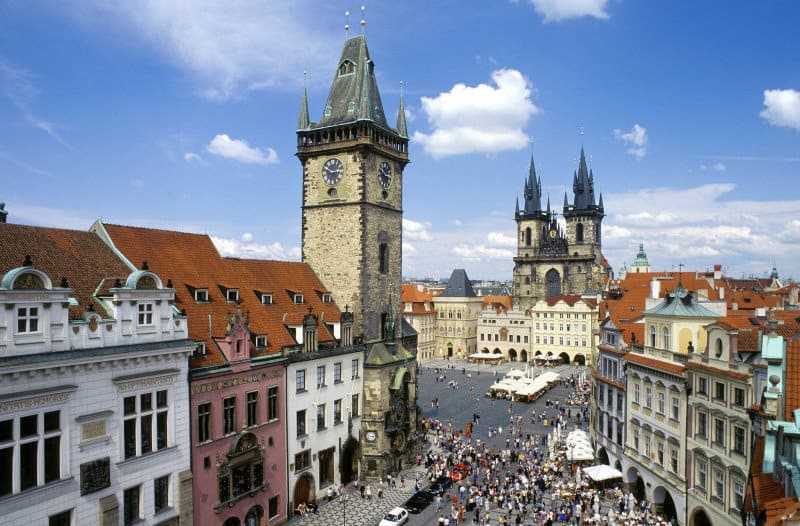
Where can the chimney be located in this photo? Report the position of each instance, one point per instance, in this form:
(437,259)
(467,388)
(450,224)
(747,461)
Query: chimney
(655,288)
(722,293)
(717,271)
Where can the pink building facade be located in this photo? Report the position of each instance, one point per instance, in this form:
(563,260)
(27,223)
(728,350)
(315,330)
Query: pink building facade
(239,435)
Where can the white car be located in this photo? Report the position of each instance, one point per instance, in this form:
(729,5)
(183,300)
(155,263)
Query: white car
(396,517)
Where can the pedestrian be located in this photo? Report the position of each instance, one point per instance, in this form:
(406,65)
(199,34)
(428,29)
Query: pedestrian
(369,492)
(362,491)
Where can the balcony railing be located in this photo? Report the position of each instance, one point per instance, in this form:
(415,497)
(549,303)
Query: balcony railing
(660,354)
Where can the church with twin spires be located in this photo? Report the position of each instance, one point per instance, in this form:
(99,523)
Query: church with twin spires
(555,258)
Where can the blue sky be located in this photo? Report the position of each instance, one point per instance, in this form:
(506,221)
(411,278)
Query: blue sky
(183,117)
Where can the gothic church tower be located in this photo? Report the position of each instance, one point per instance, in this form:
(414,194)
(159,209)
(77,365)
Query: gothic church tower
(353,164)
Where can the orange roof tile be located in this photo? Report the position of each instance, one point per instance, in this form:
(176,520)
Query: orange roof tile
(79,256)
(571,300)
(191,261)
(669,367)
(765,488)
(792,399)
(498,303)
(716,370)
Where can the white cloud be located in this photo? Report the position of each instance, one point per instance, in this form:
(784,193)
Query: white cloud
(636,139)
(247,237)
(192,157)
(229,48)
(479,119)
(719,167)
(782,108)
(457,222)
(137,182)
(557,10)
(408,248)
(246,249)
(240,150)
(482,253)
(416,230)
(501,239)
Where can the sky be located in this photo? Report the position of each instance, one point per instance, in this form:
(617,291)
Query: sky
(182,115)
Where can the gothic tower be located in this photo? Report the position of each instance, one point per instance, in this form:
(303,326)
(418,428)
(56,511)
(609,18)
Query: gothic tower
(552,260)
(353,164)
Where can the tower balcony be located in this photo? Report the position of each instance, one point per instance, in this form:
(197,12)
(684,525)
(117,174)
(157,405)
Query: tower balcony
(347,137)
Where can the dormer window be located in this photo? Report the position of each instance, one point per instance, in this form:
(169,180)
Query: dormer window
(327,298)
(232,295)
(201,295)
(328,111)
(261,341)
(346,68)
(351,107)
(27,320)
(409,306)
(266,299)
(145,314)
(297,299)
(199,350)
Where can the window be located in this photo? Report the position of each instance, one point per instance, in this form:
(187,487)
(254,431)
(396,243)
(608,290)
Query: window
(354,405)
(252,408)
(383,258)
(232,295)
(37,450)
(702,385)
(719,391)
(648,399)
(301,422)
(738,440)
(161,494)
(320,376)
(145,314)
(738,494)
(661,453)
(719,484)
(60,519)
(320,417)
(354,369)
(738,396)
(337,373)
(300,380)
(132,505)
(261,341)
(242,471)
(297,299)
(327,298)
(647,446)
(673,460)
(266,299)
(199,350)
(702,474)
(636,440)
(337,411)
(302,460)
(637,391)
(273,507)
(719,432)
(201,295)
(229,415)
(675,407)
(665,338)
(204,422)
(145,426)
(272,403)
(27,320)
(661,403)
(702,424)
(652,336)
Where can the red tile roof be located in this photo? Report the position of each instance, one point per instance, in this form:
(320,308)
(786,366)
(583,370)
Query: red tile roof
(571,300)
(418,296)
(498,303)
(765,488)
(792,398)
(669,367)
(191,261)
(79,256)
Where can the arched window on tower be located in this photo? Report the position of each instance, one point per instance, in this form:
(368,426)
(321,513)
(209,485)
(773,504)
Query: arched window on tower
(579,232)
(528,237)
(552,283)
(652,336)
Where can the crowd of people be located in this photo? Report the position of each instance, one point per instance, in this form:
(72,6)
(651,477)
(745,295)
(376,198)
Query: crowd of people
(527,482)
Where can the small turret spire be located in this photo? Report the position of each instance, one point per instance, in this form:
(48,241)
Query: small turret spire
(600,204)
(516,210)
(303,121)
(401,127)
(566,201)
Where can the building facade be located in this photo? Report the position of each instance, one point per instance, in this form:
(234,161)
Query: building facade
(418,310)
(565,326)
(93,386)
(457,312)
(554,258)
(608,400)
(506,333)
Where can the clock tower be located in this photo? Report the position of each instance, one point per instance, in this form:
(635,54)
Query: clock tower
(353,164)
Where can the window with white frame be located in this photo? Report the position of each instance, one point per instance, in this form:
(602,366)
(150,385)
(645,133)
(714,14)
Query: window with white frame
(337,411)
(229,415)
(300,380)
(301,422)
(738,494)
(702,385)
(252,408)
(201,295)
(132,505)
(719,432)
(327,298)
(297,299)
(661,403)
(673,457)
(702,474)
(27,320)
(204,422)
(161,495)
(145,421)
(145,314)
(738,440)
(354,369)
(637,391)
(660,449)
(738,396)
(675,407)
(648,398)
(30,451)
(320,417)
(354,405)
(320,376)
(232,295)
(719,484)
(272,403)
(337,372)
(702,424)
(266,299)
(261,341)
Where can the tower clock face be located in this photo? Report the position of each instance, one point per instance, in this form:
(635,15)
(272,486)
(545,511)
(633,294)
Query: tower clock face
(385,174)
(332,171)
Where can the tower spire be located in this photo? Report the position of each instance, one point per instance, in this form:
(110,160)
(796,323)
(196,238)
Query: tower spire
(303,121)
(401,127)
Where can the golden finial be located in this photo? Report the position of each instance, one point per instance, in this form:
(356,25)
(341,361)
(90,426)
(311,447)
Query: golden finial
(346,24)
(363,18)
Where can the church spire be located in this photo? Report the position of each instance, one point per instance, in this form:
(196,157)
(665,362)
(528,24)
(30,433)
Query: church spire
(533,191)
(583,185)
(401,128)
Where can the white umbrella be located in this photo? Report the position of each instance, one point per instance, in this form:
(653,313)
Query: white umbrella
(602,472)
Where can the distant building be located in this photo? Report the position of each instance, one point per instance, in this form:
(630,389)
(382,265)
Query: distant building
(505,332)
(640,263)
(419,311)
(565,326)
(457,311)
(94,398)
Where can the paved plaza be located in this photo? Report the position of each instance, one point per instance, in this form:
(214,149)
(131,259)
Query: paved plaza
(456,406)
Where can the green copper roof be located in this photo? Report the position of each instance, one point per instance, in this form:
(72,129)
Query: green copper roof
(641,257)
(402,129)
(382,353)
(303,122)
(680,302)
(354,93)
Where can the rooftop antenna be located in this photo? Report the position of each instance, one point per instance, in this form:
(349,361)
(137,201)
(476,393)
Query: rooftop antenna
(680,274)
(363,18)
(346,25)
